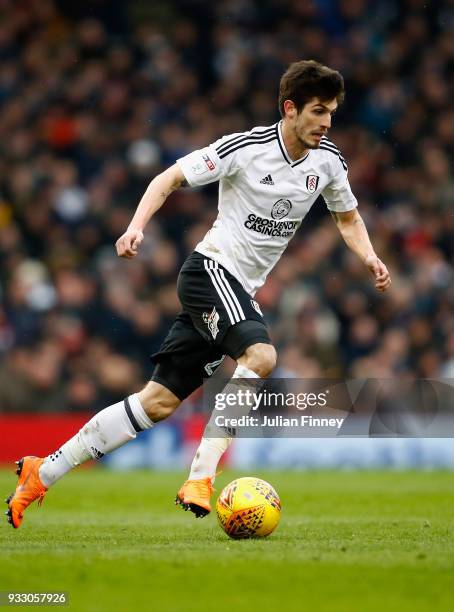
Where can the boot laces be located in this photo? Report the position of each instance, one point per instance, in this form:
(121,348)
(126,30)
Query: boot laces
(203,486)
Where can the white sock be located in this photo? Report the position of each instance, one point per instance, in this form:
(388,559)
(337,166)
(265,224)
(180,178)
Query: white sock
(207,457)
(106,431)
(211,448)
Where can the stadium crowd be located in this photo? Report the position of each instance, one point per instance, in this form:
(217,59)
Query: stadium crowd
(96,101)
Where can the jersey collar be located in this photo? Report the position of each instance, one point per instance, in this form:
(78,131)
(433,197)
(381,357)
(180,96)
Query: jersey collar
(280,140)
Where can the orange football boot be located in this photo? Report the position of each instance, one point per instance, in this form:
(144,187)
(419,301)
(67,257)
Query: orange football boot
(195,495)
(29,487)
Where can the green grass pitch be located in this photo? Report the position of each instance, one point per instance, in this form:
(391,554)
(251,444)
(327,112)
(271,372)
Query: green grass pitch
(347,541)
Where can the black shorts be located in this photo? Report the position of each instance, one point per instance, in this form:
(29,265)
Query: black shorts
(219,318)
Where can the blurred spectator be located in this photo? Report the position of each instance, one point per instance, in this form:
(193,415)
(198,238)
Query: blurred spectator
(93,105)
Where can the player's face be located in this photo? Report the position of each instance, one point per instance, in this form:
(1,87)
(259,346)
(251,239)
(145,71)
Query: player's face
(313,122)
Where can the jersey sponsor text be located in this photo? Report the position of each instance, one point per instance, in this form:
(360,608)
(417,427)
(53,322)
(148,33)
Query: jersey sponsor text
(271,227)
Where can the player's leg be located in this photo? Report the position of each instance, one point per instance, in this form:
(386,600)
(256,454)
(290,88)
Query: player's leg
(109,429)
(256,362)
(222,311)
(179,371)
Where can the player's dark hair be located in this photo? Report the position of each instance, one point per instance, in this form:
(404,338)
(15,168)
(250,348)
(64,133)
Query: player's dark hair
(309,79)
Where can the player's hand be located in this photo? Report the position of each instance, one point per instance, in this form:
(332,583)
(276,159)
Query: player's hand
(380,272)
(128,244)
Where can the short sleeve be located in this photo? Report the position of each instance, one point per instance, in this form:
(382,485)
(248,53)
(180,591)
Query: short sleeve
(208,165)
(338,194)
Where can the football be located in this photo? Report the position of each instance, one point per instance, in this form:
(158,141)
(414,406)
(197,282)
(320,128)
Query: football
(248,508)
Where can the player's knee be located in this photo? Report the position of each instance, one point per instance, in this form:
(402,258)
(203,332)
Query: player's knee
(260,358)
(158,401)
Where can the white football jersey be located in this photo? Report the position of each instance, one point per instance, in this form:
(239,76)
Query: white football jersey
(263,197)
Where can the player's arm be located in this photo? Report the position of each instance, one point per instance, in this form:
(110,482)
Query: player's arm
(154,197)
(354,232)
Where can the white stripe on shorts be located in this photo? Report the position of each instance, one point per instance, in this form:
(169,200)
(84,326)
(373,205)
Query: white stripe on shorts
(230,291)
(225,299)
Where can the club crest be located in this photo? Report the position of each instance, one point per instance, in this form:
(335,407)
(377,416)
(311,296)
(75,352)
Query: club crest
(211,319)
(312,182)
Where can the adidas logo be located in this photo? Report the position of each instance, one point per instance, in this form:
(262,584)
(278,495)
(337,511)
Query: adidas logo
(97,453)
(267,180)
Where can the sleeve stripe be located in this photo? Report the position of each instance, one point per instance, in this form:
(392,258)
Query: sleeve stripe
(335,151)
(328,142)
(225,145)
(342,160)
(330,145)
(242,138)
(240,145)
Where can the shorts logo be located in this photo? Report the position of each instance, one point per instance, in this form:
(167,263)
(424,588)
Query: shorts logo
(210,164)
(212,319)
(312,182)
(256,307)
(213,365)
(281,209)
